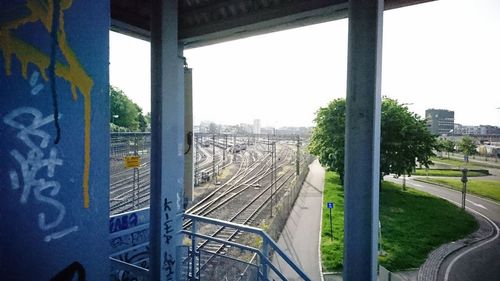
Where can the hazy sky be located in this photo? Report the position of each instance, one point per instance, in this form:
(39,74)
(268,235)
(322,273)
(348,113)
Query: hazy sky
(443,54)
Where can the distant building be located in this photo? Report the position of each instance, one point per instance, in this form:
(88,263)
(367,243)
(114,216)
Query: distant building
(481,130)
(440,121)
(489,130)
(256,126)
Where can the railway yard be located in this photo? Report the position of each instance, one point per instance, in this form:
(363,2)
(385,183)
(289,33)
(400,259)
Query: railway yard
(244,180)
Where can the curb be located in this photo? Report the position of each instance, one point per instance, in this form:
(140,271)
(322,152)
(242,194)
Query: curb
(430,269)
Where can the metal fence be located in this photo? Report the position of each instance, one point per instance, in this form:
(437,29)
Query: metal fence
(260,270)
(284,208)
(129,171)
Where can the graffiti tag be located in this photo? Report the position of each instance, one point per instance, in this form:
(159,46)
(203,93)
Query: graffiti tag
(122,222)
(37,159)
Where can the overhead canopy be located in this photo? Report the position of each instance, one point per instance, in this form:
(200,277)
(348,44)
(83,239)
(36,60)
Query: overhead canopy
(204,22)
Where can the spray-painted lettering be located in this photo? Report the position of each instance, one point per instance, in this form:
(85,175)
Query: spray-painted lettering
(122,222)
(37,168)
(169,266)
(167,225)
(131,239)
(167,236)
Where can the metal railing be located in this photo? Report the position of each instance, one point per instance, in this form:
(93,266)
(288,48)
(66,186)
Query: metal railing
(263,253)
(129,239)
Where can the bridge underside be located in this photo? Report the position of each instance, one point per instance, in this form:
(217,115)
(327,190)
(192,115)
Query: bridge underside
(204,22)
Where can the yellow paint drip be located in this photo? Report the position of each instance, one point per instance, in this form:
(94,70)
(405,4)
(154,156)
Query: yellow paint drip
(72,72)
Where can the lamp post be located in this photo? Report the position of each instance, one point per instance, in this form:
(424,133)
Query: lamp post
(113,118)
(464,187)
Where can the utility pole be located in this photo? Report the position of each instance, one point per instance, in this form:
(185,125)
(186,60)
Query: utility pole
(225,148)
(272,177)
(275,167)
(268,143)
(135,186)
(213,159)
(297,160)
(234,145)
(196,148)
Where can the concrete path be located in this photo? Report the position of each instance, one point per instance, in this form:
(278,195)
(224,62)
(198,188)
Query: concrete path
(300,237)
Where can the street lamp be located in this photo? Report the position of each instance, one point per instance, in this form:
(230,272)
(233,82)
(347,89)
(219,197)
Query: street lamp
(113,119)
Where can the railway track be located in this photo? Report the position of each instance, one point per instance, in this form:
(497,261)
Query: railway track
(243,198)
(243,202)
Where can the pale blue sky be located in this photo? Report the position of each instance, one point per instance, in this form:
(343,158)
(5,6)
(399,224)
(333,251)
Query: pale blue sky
(443,54)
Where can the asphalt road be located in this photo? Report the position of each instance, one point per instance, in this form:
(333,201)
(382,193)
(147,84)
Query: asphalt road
(479,262)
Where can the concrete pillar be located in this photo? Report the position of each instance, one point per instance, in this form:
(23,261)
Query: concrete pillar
(167,141)
(54,140)
(188,130)
(362,145)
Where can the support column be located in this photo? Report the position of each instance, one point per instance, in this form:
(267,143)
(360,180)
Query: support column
(167,141)
(362,145)
(189,144)
(54,140)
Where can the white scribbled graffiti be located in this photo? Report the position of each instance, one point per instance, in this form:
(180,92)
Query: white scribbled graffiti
(37,165)
(36,87)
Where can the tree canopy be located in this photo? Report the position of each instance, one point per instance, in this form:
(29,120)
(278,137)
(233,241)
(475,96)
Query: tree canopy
(446,145)
(405,139)
(467,146)
(125,115)
(327,140)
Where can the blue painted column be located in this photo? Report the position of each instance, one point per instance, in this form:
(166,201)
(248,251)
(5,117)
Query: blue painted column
(167,141)
(362,146)
(54,140)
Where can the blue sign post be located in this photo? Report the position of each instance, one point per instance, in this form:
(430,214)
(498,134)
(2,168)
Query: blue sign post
(54,124)
(330,207)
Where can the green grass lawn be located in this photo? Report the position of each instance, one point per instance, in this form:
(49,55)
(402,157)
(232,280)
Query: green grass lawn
(413,224)
(486,188)
(454,162)
(449,173)
(460,163)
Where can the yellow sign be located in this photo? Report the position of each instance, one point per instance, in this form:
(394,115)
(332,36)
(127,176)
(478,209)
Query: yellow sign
(132,161)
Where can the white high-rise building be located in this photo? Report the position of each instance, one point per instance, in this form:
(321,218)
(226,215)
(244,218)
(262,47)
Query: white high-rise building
(256,126)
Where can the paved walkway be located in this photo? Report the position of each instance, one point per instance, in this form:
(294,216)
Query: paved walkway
(300,237)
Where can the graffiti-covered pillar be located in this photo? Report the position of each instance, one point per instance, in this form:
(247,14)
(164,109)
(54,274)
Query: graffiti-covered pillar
(54,139)
(167,141)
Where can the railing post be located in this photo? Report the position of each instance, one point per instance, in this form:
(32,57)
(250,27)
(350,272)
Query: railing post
(193,249)
(265,254)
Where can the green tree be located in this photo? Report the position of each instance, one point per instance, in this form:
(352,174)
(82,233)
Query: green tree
(405,139)
(467,146)
(141,119)
(447,146)
(328,137)
(125,114)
